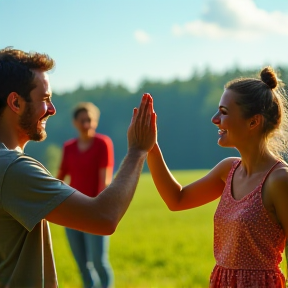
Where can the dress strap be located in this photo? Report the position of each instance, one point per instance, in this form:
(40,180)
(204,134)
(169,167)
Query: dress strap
(234,166)
(270,170)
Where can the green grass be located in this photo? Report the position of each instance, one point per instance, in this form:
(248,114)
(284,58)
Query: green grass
(152,246)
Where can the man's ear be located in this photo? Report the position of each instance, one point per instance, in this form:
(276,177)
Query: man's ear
(256,120)
(14,101)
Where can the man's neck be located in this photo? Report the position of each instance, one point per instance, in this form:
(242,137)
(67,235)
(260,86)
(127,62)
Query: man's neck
(10,134)
(11,145)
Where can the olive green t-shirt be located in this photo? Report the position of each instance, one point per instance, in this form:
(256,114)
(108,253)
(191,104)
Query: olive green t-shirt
(28,192)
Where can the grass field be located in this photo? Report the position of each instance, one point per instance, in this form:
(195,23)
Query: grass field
(152,246)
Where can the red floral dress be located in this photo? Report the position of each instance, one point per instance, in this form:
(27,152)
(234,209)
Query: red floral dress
(248,245)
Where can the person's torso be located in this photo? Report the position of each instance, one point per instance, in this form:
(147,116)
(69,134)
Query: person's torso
(84,166)
(245,237)
(22,253)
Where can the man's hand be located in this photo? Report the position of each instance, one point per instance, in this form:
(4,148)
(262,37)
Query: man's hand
(142,132)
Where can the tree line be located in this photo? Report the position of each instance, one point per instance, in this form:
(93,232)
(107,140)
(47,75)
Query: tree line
(184,109)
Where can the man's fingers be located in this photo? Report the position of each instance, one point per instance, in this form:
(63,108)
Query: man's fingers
(134,115)
(135,111)
(148,109)
(148,112)
(143,128)
(143,105)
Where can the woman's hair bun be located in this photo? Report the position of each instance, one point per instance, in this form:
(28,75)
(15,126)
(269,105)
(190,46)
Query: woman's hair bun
(269,77)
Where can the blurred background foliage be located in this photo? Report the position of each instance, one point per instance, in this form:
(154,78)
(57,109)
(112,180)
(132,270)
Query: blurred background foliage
(184,109)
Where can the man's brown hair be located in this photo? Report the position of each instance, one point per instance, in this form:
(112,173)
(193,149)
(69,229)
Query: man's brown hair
(16,72)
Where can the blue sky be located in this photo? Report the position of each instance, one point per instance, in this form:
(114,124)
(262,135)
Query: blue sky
(95,41)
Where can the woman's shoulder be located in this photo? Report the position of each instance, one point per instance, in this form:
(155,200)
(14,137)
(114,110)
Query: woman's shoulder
(276,191)
(277,181)
(223,168)
(229,162)
(279,173)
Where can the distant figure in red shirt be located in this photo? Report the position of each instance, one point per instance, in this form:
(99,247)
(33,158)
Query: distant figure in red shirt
(89,161)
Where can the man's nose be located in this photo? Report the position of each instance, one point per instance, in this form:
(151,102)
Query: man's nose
(51,109)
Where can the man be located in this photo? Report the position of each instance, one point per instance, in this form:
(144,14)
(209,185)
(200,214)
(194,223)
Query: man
(30,196)
(89,161)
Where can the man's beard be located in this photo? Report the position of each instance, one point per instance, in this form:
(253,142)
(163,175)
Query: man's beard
(30,128)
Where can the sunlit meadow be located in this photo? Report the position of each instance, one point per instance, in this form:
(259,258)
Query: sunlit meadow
(152,246)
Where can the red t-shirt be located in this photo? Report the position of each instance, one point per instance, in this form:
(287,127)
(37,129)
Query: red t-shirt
(83,166)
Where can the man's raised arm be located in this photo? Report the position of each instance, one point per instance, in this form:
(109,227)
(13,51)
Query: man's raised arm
(101,215)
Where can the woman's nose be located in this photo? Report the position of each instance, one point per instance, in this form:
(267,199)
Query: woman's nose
(215,118)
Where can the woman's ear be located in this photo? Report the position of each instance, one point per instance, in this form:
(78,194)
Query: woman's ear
(256,120)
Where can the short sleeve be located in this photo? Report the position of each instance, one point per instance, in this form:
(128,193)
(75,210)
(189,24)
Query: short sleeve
(107,153)
(30,192)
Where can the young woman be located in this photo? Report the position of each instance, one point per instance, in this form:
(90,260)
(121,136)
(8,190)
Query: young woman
(251,221)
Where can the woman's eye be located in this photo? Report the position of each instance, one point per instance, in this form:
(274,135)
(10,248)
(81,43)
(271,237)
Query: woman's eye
(223,112)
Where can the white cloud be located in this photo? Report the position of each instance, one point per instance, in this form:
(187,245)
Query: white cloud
(231,19)
(142,37)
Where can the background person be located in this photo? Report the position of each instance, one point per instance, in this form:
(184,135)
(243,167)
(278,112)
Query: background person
(30,195)
(251,221)
(89,161)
